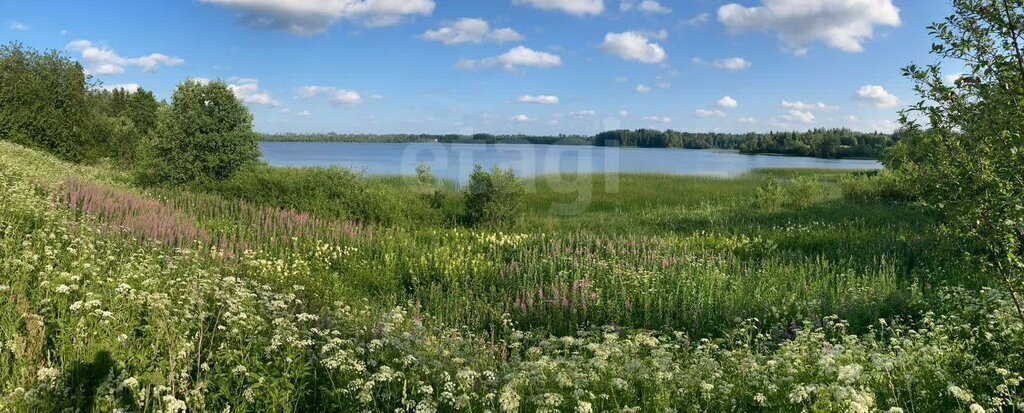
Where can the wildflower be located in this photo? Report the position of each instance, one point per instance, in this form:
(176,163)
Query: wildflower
(976,408)
(760,399)
(960,394)
(895,410)
(849,373)
(63,289)
(584,407)
(47,374)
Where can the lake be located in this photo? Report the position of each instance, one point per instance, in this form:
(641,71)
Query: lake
(456,161)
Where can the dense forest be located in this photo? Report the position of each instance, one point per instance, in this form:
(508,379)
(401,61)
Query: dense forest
(821,143)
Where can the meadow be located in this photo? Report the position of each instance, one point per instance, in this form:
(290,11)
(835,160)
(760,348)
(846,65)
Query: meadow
(770,291)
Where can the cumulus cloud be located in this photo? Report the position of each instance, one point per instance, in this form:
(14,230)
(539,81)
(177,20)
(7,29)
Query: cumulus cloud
(877,96)
(106,62)
(522,119)
(539,100)
(18,27)
(645,6)
(471,31)
(519,56)
(623,114)
(840,24)
(732,64)
(248,91)
(727,102)
(659,119)
(303,113)
(582,114)
(309,17)
(643,89)
(807,106)
(337,96)
(577,8)
(800,116)
(633,46)
(703,113)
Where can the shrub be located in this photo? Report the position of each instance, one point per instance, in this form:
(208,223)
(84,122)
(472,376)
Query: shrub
(206,135)
(494,198)
(770,195)
(867,188)
(42,101)
(800,192)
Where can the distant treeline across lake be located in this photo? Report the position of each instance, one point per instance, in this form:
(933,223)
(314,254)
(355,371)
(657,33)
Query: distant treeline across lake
(820,143)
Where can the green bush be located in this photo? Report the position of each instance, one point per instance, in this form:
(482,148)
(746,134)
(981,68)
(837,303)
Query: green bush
(800,192)
(494,198)
(42,101)
(871,188)
(206,135)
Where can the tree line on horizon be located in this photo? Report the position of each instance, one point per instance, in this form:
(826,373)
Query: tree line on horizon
(831,143)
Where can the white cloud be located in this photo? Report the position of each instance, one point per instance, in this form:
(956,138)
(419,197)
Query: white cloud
(727,102)
(840,24)
(19,27)
(303,113)
(623,114)
(652,6)
(703,113)
(633,46)
(522,119)
(248,91)
(519,56)
(582,114)
(337,96)
(659,119)
(807,106)
(665,85)
(643,89)
(645,6)
(107,62)
(574,7)
(471,31)
(800,116)
(127,87)
(505,35)
(200,80)
(732,64)
(309,17)
(952,78)
(539,100)
(747,121)
(877,96)
(697,20)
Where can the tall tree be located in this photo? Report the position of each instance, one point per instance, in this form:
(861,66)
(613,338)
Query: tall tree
(965,148)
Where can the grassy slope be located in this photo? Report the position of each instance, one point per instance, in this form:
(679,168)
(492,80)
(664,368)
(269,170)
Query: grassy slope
(689,254)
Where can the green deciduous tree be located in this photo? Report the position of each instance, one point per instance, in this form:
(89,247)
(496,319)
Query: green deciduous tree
(494,198)
(206,134)
(969,161)
(42,101)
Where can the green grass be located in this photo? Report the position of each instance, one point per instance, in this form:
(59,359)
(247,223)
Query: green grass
(322,290)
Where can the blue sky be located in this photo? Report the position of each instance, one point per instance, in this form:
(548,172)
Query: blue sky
(499,66)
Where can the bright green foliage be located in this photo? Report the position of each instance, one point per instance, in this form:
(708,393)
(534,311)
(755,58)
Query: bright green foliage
(969,164)
(43,101)
(205,135)
(494,198)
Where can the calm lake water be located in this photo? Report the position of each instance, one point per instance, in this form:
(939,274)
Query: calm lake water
(456,161)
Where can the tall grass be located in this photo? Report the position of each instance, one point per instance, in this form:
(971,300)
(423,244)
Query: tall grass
(646,303)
